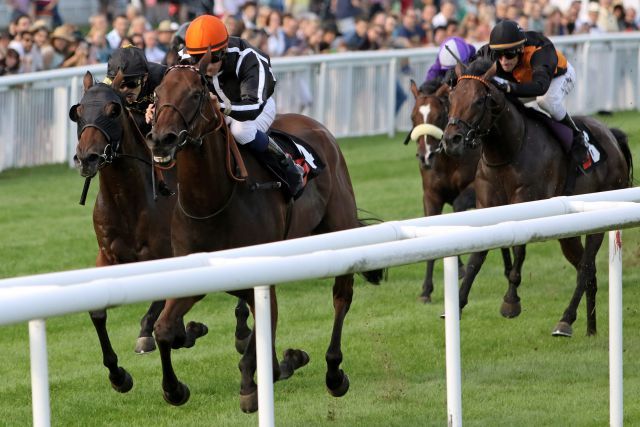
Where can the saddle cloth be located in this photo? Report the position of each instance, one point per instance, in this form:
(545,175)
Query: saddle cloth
(300,151)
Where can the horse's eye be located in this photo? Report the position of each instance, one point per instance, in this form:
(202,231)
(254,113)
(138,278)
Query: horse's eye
(479,101)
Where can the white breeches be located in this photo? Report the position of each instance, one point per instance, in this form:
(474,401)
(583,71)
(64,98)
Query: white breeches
(553,101)
(245,132)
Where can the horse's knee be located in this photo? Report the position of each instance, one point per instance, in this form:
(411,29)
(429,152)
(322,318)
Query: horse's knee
(515,277)
(334,359)
(163,331)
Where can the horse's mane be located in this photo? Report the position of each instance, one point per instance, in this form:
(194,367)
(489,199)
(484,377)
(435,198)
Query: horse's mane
(479,67)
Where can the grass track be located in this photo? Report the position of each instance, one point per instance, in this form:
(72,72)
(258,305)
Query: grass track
(514,372)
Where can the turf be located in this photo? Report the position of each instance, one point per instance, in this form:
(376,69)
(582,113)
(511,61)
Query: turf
(513,371)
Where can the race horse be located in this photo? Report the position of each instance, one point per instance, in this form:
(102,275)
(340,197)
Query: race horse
(445,179)
(130,225)
(216,211)
(522,161)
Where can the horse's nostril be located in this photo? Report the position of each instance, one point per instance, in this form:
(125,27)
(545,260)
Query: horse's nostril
(92,158)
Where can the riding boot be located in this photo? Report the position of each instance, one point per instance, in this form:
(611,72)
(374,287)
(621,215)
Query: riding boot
(281,161)
(579,151)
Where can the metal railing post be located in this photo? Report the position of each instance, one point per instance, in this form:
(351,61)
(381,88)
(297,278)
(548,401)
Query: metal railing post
(39,373)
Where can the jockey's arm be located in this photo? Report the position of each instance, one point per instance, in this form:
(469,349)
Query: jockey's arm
(543,65)
(253,96)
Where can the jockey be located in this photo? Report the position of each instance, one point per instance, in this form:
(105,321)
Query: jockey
(140,80)
(244,83)
(442,71)
(528,65)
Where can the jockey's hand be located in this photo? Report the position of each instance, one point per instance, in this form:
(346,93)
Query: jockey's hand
(502,84)
(148,115)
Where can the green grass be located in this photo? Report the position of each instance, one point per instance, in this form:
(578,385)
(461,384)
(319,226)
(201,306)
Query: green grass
(513,371)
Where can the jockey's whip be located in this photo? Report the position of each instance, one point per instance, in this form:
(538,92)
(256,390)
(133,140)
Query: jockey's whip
(464,67)
(85,190)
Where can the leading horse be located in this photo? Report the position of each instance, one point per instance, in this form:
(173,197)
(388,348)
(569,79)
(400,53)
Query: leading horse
(445,179)
(130,225)
(522,161)
(215,211)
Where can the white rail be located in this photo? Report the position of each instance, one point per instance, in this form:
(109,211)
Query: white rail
(21,299)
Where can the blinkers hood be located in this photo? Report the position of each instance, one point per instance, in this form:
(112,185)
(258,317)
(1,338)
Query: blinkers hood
(94,115)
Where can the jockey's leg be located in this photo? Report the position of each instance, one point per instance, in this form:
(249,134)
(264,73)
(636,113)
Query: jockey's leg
(553,103)
(252,133)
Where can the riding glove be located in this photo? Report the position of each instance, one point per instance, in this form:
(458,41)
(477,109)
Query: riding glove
(502,84)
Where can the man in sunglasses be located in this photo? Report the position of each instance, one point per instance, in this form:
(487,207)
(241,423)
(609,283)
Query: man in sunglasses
(140,80)
(529,66)
(244,83)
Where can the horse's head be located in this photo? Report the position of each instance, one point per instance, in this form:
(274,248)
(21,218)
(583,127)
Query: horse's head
(429,116)
(473,102)
(180,115)
(98,116)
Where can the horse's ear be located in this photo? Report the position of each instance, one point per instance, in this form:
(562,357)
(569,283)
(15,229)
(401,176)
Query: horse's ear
(490,72)
(414,89)
(113,109)
(443,91)
(459,70)
(87,81)
(204,62)
(74,112)
(117,80)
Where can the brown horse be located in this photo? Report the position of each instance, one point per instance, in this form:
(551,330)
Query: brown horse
(216,212)
(445,179)
(521,161)
(129,224)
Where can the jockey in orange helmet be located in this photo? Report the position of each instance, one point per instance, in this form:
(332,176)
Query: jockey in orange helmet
(244,83)
(529,65)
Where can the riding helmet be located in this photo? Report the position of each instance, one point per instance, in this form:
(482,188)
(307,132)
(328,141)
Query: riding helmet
(506,35)
(204,32)
(131,60)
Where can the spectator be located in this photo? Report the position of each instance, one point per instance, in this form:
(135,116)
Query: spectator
(501,10)
(151,50)
(630,23)
(606,19)
(138,25)
(593,14)
(249,14)
(18,8)
(439,35)
(126,42)
(79,57)
(554,26)
(535,22)
(22,23)
(292,43)
(60,40)
(5,39)
(119,31)
(452,28)
(47,11)
(345,12)
(618,12)
(99,49)
(234,25)
(99,24)
(276,43)
(30,57)
(138,41)
(357,37)
(447,13)
(10,64)
(165,31)
(410,29)
(428,13)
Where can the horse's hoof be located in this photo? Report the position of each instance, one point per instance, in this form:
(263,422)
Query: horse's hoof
(197,329)
(241,344)
(249,402)
(298,358)
(342,388)
(145,345)
(124,384)
(562,329)
(179,397)
(510,309)
(425,299)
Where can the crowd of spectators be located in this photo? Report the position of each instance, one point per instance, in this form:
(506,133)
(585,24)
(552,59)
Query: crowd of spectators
(38,39)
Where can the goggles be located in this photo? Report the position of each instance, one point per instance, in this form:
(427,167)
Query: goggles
(508,53)
(131,84)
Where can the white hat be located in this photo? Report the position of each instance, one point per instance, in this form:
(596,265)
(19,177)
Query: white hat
(444,56)
(593,7)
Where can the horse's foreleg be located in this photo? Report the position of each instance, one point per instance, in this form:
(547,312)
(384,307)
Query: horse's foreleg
(511,304)
(146,343)
(473,268)
(506,260)
(120,379)
(169,331)
(336,380)
(588,275)
(573,251)
(243,333)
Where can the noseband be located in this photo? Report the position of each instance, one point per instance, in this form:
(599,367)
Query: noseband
(185,136)
(472,133)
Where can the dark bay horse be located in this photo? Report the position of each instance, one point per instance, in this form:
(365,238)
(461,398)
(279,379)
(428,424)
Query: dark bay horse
(129,224)
(216,212)
(521,161)
(445,179)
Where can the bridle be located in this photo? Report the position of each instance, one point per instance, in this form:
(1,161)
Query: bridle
(186,135)
(472,133)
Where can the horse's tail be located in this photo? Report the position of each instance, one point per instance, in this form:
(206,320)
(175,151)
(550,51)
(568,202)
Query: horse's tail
(374,276)
(623,142)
